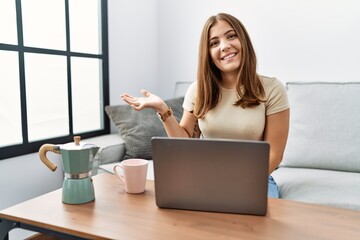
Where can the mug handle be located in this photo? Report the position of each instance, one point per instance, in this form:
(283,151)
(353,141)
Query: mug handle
(117,174)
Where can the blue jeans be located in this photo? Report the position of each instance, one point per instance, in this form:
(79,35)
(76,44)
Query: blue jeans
(273,190)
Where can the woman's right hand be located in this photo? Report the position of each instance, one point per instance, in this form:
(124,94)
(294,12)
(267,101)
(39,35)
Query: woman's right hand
(188,126)
(148,101)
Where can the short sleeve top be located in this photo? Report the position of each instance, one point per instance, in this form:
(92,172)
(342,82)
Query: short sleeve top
(234,122)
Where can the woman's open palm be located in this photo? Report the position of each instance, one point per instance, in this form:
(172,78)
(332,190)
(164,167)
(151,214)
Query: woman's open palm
(148,101)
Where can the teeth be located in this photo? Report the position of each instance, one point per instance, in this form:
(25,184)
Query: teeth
(229,56)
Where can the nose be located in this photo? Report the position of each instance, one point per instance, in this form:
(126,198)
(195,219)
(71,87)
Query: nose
(224,46)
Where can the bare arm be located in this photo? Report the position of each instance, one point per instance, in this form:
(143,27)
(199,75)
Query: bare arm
(276,133)
(188,125)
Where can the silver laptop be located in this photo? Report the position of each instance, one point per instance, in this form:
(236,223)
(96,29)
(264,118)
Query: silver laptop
(214,175)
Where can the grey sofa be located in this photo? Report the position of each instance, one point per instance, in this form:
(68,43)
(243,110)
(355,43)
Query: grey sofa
(321,164)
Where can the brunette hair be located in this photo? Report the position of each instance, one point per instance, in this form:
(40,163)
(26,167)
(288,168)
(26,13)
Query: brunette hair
(249,87)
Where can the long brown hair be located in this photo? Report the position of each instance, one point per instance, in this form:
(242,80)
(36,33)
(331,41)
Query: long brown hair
(248,86)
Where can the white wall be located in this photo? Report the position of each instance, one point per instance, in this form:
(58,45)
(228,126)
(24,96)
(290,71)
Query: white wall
(154,44)
(294,40)
(24,177)
(133,49)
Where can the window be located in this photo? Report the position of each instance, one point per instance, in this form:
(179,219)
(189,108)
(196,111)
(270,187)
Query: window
(53,72)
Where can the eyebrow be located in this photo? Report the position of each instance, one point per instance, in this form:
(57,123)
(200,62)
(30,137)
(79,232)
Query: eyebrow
(231,30)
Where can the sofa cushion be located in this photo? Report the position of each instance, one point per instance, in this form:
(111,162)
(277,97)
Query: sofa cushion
(327,187)
(138,127)
(324,127)
(112,147)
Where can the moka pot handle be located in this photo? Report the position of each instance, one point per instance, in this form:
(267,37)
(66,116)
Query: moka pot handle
(42,154)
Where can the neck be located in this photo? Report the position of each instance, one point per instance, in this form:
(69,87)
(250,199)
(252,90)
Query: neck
(228,80)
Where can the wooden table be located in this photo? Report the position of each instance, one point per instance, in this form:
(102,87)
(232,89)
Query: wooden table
(117,215)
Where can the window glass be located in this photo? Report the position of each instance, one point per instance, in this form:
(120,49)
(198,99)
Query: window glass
(44,24)
(86,94)
(8,27)
(85,31)
(10,113)
(53,73)
(46,95)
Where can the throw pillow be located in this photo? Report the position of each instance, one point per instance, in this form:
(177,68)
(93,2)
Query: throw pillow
(138,127)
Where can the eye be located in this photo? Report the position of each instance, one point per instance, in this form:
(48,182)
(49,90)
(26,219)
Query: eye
(214,43)
(232,36)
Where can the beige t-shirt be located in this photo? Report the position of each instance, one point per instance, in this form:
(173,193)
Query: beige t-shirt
(234,122)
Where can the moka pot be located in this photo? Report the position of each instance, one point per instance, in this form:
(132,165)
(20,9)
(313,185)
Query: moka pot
(77,161)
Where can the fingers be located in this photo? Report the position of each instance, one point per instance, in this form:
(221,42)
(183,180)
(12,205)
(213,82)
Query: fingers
(128,99)
(145,93)
(137,103)
(137,108)
(132,102)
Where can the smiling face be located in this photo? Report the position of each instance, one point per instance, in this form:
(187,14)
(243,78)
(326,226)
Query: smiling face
(225,48)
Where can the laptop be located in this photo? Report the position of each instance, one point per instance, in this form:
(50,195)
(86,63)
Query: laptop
(216,175)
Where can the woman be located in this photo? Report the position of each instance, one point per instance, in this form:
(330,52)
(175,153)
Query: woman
(229,99)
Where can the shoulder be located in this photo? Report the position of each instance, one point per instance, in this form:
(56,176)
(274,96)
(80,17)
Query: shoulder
(193,86)
(189,99)
(191,91)
(269,83)
(275,95)
(272,86)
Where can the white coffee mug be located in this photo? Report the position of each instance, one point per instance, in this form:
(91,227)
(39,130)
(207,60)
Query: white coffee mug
(134,174)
